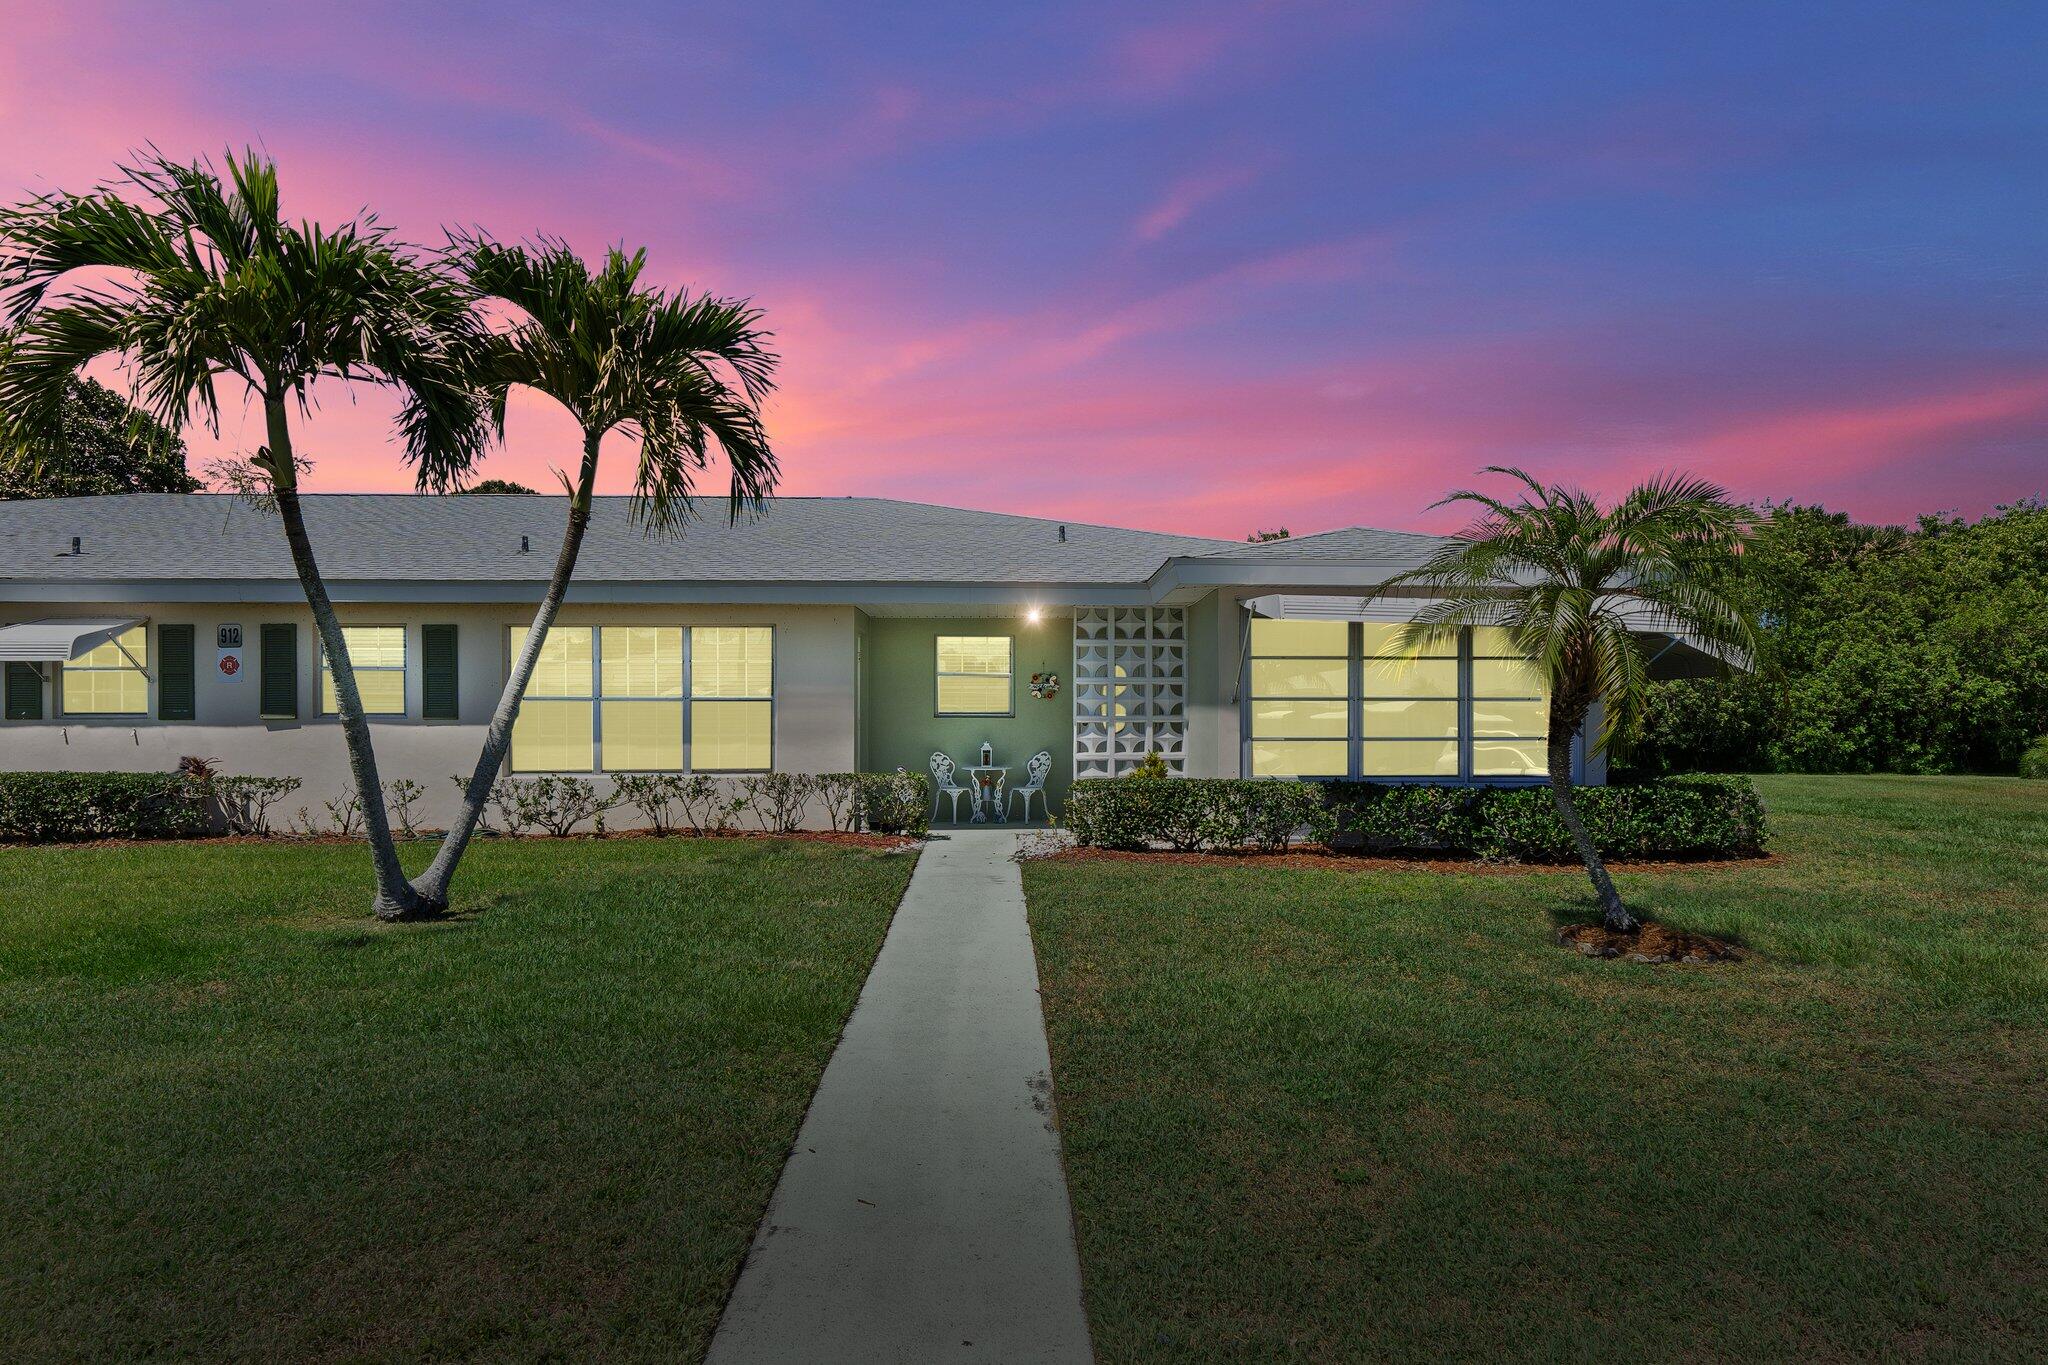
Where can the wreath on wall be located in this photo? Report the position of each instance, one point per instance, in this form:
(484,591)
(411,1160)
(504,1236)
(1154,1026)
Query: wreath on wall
(1045,686)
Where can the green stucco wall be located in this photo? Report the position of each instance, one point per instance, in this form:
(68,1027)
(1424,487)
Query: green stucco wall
(898,701)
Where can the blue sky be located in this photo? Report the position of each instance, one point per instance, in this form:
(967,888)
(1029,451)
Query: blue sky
(1202,267)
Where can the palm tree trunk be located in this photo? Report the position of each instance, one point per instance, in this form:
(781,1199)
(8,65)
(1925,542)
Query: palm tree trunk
(432,885)
(1616,915)
(395,898)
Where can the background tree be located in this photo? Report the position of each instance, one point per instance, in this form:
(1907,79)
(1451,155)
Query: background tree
(497,486)
(677,375)
(1572,582)
(100,444)
(197,281)
(1880,649)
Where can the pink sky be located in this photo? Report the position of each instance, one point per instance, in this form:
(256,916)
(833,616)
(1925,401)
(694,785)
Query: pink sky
(1224,268)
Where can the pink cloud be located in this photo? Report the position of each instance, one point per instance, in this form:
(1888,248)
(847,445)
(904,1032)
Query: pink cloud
(1187,194)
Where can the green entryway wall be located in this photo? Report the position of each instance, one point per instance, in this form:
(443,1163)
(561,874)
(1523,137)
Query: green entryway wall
(899,727)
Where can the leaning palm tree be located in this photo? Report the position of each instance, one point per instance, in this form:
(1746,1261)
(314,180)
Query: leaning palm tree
(1572,583)
(193,282)
(680,376)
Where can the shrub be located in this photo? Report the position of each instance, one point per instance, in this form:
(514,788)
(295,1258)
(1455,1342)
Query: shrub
(896,803)
(401,796)
(555,804)
(41,808)
(2034,762)
(245,803)
(1678,817)
(839,794)
(778,799)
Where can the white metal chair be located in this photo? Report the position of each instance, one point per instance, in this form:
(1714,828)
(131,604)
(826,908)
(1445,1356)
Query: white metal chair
(1036,772)
(944,785)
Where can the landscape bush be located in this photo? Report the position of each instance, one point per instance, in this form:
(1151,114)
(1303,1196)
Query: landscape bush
(65,807)
(1691,816)
(2034,762)
(198,800)
(896,803)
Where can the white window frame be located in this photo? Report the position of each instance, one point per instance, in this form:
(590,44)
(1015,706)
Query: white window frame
(690,697)
(403,670)
(939,675)
(688,701)
(134,665)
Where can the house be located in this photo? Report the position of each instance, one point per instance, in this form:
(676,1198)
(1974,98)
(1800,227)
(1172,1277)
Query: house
(822,635)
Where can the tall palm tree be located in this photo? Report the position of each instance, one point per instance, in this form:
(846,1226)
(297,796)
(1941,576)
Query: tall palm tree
(193,281)
(1573,583)
(678,375)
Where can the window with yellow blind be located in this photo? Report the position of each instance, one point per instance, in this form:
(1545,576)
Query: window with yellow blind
(556,731)
(111,679)
(1347,699)
(975,675)
(732,698)
(1299,689)
(1510,709)
(377,654)
(640,686)
(1408,707)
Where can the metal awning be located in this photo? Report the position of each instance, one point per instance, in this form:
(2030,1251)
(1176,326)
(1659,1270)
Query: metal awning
(60,639)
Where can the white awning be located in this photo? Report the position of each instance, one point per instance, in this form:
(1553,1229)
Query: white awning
(59,639)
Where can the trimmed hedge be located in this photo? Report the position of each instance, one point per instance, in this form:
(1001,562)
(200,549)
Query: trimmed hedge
(50,808)
(895,803)
(1677,817)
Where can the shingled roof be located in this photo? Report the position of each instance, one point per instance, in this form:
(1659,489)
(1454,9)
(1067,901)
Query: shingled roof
(370,536)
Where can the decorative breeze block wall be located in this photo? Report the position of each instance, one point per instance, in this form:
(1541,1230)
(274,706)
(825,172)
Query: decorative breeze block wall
(1130,688)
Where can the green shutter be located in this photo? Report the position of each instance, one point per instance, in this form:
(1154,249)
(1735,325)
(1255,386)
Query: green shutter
(24,692)
(438,697)
(174,679)
(281,671)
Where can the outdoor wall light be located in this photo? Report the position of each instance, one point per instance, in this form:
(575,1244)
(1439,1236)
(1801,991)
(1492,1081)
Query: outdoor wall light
(1031,614)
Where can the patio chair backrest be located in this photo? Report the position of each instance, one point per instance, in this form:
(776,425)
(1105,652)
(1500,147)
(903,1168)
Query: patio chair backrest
(942,770)
(1039,767)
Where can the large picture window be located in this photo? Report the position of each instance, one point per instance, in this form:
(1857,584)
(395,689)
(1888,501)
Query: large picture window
(732,698)
(378,656)
(1510,710)
(1300,680)
(1408,708)
(974,673)
(647,699)
(111,679)
(1338,699)
(556,731)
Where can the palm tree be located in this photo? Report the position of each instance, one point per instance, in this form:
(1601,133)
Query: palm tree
(194,282)
(677,374)
(1572,583)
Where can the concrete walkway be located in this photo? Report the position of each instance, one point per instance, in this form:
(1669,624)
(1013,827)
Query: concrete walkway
(923,1214)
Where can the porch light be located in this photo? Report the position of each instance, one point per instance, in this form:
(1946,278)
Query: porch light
(1032,615)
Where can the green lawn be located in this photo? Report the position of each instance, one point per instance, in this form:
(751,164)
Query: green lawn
(239,1118)
(1329,1115)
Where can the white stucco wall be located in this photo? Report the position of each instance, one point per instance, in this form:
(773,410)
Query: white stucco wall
(815,699)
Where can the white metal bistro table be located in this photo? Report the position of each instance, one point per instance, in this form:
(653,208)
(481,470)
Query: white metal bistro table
(988,790)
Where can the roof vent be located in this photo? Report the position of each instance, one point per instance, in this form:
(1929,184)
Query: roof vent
(1063,535)
(76,547)
(522,544)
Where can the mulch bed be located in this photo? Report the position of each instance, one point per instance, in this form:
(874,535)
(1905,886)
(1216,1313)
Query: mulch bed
(1647,943)
(817,836)
(1329,861)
